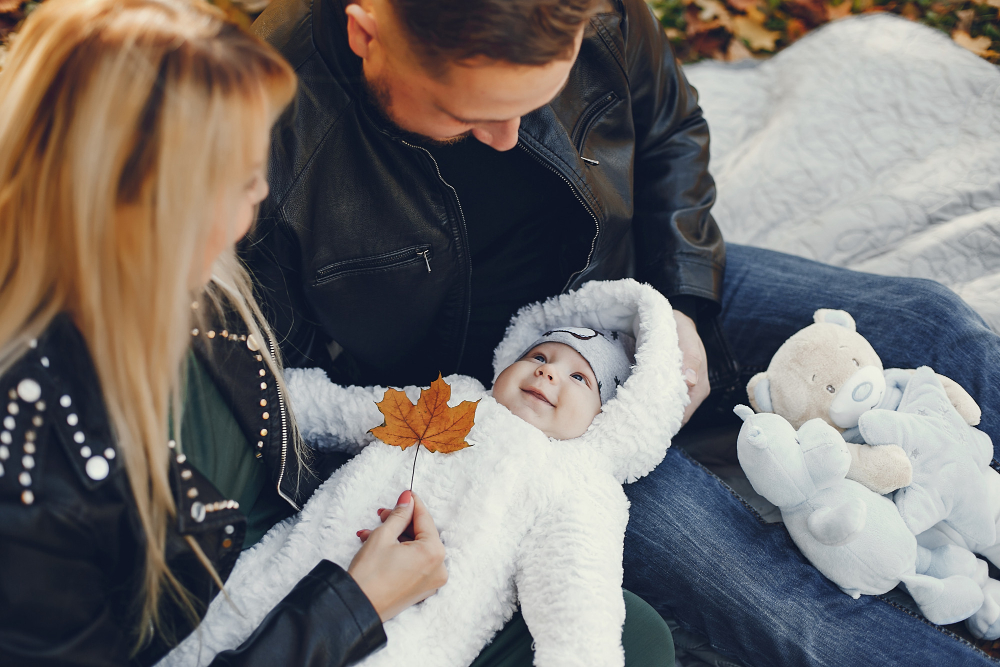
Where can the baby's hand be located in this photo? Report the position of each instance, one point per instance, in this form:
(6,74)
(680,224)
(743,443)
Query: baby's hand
(384,514)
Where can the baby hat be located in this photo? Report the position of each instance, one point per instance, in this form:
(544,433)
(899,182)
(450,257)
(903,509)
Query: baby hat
(609,353)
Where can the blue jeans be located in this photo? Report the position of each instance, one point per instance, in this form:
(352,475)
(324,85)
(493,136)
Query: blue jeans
(696,552)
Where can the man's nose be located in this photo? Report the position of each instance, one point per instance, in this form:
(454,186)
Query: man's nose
(501,136)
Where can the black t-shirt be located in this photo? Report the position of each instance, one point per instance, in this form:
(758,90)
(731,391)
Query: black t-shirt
(527,234)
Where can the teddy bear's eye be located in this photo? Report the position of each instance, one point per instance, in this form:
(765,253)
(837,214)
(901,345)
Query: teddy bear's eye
(856,362)
(830,388)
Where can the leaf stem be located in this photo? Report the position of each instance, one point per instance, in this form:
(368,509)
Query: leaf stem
(414,466)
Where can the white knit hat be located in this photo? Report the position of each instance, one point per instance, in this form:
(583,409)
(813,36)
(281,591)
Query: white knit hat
(610,354)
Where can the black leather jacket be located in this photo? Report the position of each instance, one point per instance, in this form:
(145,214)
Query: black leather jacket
(71,545)
(363,243)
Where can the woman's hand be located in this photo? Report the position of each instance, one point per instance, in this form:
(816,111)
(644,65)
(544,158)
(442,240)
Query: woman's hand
(395,573)
(694,365)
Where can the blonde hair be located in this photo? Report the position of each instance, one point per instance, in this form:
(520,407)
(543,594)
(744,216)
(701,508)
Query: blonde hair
(121,123)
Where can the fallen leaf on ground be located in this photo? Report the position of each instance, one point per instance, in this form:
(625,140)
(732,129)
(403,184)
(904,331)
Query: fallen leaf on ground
(712,9)
(839,11)
(737,51)
(795,29)
(757,36)
(431,422)
(811,12)
(978,45)
(965,18)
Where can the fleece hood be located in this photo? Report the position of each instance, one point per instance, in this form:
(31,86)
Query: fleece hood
(633,429)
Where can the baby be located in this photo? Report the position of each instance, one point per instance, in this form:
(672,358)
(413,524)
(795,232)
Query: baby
(559,385)
(532,514)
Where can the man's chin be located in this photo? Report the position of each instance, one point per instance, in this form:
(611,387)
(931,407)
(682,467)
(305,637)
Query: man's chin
(379,102)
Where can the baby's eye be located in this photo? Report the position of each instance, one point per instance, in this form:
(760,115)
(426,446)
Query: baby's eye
(579,377)
(539,357)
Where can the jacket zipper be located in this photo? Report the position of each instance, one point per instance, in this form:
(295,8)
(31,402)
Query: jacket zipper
(589,118)
(465,243)
(391,259)
(597,224)
(284,433)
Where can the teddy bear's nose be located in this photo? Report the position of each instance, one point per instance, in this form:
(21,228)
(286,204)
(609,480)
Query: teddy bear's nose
(862,391)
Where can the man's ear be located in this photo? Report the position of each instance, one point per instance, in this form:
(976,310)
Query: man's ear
(759,393)
(362,29)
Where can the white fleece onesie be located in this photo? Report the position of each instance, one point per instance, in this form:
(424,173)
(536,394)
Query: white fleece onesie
(524,519)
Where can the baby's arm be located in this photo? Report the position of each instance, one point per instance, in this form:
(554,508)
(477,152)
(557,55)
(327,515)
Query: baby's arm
(331,417)
(569,578)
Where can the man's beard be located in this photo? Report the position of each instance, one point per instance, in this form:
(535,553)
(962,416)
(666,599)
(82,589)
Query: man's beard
(379,101)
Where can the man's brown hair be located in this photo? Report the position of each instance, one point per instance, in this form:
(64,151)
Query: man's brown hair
(522,32)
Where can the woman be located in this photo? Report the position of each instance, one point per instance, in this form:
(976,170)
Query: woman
(133,140)
(144,435)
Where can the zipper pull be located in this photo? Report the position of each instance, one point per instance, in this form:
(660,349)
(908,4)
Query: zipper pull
(426,260)
(590,161)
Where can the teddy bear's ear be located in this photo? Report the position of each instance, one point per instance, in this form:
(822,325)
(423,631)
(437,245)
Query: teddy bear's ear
(759,393)
(839,317)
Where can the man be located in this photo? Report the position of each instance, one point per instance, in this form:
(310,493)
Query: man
(452,160)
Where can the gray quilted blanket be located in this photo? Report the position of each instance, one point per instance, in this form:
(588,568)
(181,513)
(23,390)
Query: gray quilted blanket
(874,144)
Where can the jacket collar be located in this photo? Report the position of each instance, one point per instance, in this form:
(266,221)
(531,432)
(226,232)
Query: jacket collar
(329,28)
(70,400)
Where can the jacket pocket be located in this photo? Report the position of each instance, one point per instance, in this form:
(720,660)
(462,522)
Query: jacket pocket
(590,116)
(375,264)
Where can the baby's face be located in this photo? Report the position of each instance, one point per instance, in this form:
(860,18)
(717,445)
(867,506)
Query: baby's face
(552,388)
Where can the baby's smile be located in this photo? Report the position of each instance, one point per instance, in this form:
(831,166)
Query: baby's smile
(537,394)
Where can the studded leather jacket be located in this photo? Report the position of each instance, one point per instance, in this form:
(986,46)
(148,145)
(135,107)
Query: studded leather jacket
(71,544)
(363,243)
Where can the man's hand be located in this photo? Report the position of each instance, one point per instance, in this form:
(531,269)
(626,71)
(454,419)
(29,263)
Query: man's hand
(695,365)
(395,573)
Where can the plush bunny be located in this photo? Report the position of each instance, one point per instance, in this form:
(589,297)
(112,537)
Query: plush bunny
(829,371)
(854,536)
(524,519)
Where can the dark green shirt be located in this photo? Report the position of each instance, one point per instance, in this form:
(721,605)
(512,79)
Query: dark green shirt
(216,446)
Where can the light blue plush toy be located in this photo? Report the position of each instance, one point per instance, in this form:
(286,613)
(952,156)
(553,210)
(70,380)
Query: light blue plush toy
(954,498)
(854,536)
(950,459)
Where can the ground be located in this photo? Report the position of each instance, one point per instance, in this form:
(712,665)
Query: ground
(724,29)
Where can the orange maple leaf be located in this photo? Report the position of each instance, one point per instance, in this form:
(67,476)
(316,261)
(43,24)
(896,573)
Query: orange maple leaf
(430,422)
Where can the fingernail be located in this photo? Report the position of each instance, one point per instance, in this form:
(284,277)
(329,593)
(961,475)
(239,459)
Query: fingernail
(379,512)
(405,498)
(690,376)
(359,533)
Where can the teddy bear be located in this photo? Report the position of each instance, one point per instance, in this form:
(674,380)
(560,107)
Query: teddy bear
(526,520)
(854,536)
(949,495)
(829,371)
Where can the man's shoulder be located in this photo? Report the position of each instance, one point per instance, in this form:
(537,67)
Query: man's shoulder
(287,26)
